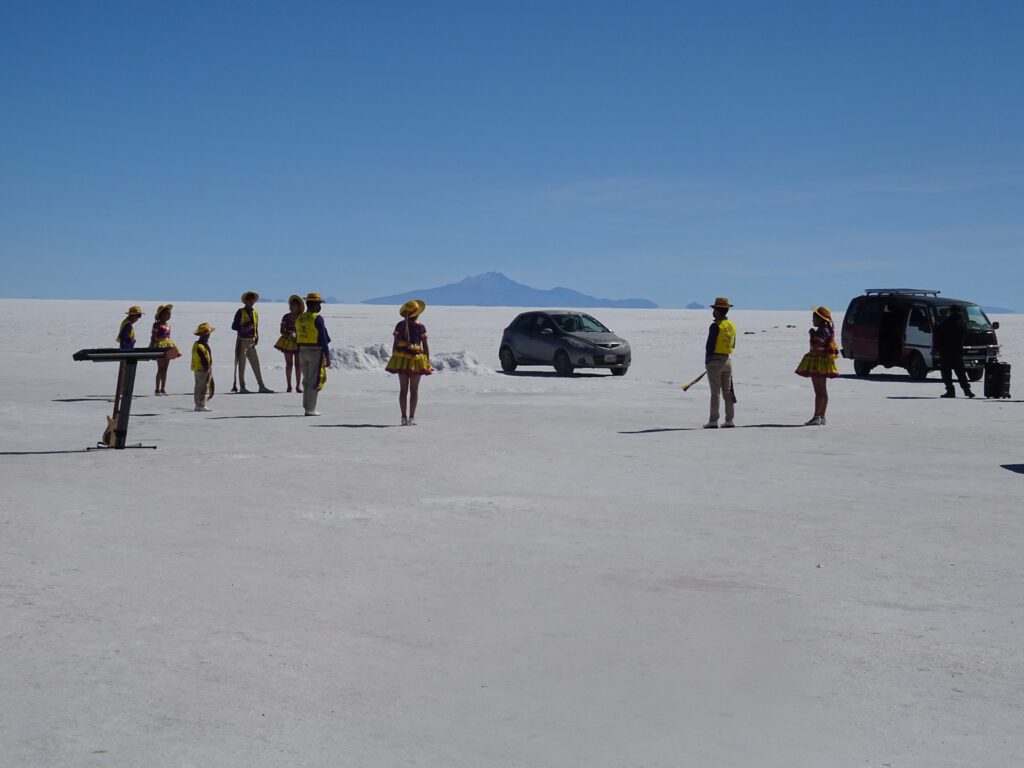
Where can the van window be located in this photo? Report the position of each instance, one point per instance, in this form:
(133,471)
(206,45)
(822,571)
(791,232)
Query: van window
(977,320)
(919,319)
(868,313)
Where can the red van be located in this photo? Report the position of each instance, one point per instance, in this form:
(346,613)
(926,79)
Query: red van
(892,327)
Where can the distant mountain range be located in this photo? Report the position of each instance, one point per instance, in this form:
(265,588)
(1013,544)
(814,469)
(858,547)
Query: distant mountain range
(493,289)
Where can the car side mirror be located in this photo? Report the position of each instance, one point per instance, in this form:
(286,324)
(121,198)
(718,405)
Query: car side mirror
(995,326)
(546,332)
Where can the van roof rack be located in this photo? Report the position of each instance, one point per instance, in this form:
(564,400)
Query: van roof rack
(900,292)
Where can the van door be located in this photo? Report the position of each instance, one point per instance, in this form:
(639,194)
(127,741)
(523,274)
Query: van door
(919,333)
(861,330)
(892,333)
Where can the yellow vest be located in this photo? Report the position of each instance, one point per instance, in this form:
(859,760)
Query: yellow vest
(131,334)
(726,341)
(200,354)
(306,331)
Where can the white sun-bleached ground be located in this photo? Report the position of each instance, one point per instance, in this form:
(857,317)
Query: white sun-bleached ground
(543,572)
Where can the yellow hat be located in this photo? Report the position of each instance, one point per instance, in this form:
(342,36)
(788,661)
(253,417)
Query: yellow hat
(134,311)
(162,309)
(412,308)
(721,303)
(823,313)
(247,294)
(204,329)
(314,296)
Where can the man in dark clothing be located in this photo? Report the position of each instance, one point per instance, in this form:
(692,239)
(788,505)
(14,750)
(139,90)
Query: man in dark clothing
(950,334)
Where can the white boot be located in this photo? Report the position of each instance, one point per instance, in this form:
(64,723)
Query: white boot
(203,409)
(817,421)
(711,425)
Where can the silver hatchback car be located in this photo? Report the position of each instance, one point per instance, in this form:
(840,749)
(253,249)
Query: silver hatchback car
(563,339)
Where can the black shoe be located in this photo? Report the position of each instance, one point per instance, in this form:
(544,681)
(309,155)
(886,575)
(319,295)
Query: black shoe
(949,394)
(968,393)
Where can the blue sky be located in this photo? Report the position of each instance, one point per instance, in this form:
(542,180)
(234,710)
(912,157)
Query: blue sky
(783,154)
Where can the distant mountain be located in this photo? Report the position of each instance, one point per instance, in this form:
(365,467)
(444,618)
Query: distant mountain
(694,305)
(493,289)
(998,311)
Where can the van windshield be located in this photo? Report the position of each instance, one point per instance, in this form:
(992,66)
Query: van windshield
(976,318)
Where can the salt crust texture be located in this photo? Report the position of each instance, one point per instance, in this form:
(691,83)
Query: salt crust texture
(544,572)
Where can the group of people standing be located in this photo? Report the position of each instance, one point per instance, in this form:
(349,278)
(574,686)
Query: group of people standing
(819,364)
(304,342)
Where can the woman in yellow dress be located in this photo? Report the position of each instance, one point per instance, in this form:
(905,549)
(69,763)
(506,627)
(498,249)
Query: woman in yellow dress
(819,364)
(161,337)
(410,358)
(288,344)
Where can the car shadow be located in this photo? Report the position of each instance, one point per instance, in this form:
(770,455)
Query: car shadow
(893,378)
(354,426)
(554,375)
(1018,468)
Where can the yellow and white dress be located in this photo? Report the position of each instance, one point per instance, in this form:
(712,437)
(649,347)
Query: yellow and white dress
(821,359)
(409,356)
(287,342)
(162,338)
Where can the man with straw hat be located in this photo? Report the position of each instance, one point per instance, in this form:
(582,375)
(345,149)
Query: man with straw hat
(314,351)
(202,367)
(247,325)
(717,351)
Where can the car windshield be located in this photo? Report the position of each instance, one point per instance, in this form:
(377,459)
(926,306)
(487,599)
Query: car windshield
(579,323)
(976,318)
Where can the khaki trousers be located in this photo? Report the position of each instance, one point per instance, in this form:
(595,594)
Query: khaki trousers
(309,364)
(202,387)
(720,378)
(247,351)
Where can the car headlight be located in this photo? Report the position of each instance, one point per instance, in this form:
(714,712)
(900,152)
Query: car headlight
(578,343)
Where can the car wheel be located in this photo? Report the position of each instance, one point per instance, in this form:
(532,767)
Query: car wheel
(976,374)
(916,367)
(619,371)
(563,365)
(862,367)
(508,360)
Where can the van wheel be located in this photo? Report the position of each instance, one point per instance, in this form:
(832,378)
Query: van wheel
(508,360)
(619,371)
(862,367)
(563,365)
(916,367)
(976,374)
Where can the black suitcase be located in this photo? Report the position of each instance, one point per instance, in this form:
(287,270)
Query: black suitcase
(997,379)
